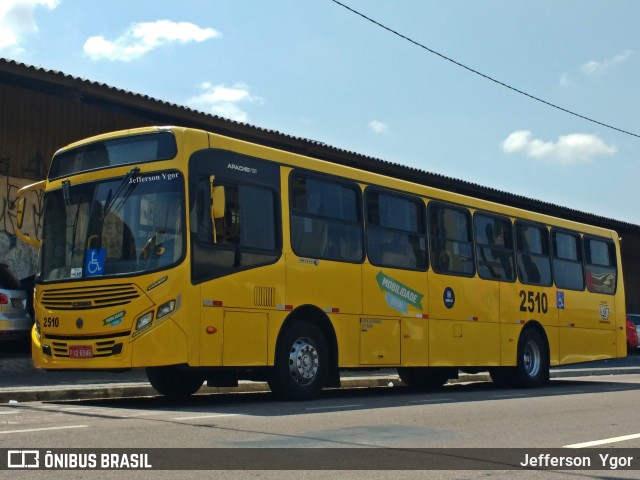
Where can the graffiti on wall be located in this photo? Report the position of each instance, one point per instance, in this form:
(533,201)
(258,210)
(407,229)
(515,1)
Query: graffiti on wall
(17,255)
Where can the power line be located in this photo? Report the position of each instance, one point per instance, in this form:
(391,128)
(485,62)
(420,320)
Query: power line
(533,97)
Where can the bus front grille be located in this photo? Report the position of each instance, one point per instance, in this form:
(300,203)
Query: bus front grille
(86,298)
(101,345)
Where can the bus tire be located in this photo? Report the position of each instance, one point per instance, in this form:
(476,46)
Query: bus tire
(301,363)
(174,383)
(532,368)
(424,378)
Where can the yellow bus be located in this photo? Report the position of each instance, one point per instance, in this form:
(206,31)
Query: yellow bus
(205,258)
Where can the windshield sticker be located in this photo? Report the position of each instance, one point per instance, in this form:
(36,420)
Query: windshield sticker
(94,264)
(113,320)
(398,296)
(76,272)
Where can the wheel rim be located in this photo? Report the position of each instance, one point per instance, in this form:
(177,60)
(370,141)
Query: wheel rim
(532,359)
(303,361)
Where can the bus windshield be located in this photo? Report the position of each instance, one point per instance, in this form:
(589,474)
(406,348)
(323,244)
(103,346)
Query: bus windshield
(126,225)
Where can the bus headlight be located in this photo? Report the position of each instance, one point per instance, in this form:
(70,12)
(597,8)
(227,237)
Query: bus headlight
(165,309)
(144,322)
(36,324)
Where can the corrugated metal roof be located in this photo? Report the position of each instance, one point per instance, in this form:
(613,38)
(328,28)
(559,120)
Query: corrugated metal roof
(94,92)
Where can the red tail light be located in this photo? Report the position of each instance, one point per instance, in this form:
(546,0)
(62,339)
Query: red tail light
(3,299)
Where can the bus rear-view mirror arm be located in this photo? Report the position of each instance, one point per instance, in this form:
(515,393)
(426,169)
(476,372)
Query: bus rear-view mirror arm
(21,205)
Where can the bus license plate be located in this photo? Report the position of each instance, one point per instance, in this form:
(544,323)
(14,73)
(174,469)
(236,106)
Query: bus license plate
(80,351)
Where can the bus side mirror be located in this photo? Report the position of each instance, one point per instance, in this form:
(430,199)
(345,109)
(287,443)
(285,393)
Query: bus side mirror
(21,205)
(217,205)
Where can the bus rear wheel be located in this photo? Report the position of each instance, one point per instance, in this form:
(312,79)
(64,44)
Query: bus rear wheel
(301,363)
(175,383)
(532,368)
(425,378)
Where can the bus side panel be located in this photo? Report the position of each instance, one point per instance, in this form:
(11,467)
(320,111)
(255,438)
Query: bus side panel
(211,319)
(587,326)
(330,286)
(464,326)
(237,306)
(521,304)
(165,344)
(394,293)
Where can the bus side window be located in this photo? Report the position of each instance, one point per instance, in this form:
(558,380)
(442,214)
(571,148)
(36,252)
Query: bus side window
(601,269)
(533,255)
(568,271)
(200,217)
(325,219)
(396,230)
(451,240)
(494,247)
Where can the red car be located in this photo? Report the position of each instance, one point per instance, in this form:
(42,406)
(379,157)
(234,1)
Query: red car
(632,335)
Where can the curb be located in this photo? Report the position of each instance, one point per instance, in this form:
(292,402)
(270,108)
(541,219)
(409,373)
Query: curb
(143,389)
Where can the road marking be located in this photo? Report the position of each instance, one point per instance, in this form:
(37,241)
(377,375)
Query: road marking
(335,407)
(43,429)
(9,413)
(604,441)
(217,415)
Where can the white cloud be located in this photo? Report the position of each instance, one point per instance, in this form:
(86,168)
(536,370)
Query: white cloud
(141,38)
(565,80)
(600,68)
(378,127)
(568,149)
(16,20)
(223,101)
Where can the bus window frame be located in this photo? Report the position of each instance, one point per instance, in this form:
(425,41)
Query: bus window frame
(509,220)
(546,228)
(410,198)
(467,212)
(210,246)
(344,182)
(580,236)
(612,247)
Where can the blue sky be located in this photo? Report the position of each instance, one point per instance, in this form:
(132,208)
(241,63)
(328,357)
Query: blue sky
(311,68)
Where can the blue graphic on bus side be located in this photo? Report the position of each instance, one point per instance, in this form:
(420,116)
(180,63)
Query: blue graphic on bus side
(560,300)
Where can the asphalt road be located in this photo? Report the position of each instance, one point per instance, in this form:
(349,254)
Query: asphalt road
(569,412)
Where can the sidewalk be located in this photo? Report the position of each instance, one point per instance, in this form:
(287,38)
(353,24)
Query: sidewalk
(20,382)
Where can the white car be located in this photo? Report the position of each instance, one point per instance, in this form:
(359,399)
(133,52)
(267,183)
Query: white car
(15,320)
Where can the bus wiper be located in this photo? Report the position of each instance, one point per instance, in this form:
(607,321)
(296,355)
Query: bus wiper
(75,226)
(66,184)
(111,199)
(66,195)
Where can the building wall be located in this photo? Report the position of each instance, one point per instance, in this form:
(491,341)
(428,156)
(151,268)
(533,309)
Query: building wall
(33,125)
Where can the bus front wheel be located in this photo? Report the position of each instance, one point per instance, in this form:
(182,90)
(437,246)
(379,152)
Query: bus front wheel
(174,383)
(301,363)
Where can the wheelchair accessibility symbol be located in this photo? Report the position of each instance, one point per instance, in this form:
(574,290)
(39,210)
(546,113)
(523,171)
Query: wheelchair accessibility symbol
(560,300)
(94,264)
